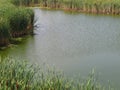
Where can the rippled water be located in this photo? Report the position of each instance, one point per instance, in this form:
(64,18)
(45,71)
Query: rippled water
(74,43)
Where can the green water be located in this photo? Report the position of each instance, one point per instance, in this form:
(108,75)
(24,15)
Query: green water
(74,43)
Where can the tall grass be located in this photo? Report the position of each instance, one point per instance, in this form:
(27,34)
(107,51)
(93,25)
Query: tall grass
(4,32)
(16,74)
(19,21)
(21,2)
(91,6)
(14,21)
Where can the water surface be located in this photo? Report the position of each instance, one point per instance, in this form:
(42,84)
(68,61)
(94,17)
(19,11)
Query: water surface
(74,43)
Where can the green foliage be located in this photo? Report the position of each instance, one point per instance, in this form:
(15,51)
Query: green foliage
(4,29)
(14,20)
(5,8)
(19,20)
(30,14)
(16,74)
(16,2)
(21,2)
(92,6)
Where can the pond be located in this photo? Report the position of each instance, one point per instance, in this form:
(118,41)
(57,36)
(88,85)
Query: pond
(74,43)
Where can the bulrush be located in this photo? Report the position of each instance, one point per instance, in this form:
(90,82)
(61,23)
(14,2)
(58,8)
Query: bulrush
(15,21)
(4,32)
(88,6)
(16,74)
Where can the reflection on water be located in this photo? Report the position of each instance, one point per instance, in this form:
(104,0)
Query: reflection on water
(74,43)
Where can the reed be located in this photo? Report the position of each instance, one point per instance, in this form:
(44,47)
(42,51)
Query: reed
(17,74)
(30,15)
(21,2)
(89,6)
(18,22)
(15,21)
(4,32)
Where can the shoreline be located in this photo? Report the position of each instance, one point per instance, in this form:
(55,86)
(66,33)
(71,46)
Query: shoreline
(88,11)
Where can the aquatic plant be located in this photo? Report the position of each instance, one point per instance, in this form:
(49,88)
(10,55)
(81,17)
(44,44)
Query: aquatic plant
(91,6)
(21,2)
(17,74)
(30,15)
(18,21)
(4,32)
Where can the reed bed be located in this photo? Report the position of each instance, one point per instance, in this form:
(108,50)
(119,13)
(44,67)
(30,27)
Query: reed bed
(4,32)
(19,20)
(16,74)
(14,21)
(89,6)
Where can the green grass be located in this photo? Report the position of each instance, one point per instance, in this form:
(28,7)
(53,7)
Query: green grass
(17,74)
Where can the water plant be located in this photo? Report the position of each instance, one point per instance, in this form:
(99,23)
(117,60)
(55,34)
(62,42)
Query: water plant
(30,15)
(17,74)
(90,6)
(14,21)
(21,2)
(4,32)
(18,22)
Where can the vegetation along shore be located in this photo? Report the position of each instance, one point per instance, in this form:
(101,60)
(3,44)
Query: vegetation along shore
(16,74)
(15,21)
(89,6)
